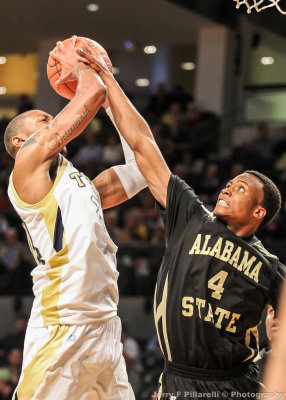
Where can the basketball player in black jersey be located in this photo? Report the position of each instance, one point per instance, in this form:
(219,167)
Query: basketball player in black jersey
(216,277)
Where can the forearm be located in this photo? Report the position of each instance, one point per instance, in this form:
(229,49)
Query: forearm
(70,122)
(127,151)
(129,174)
(129,122)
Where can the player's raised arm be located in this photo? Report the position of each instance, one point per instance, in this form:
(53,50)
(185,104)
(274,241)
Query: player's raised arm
(35,139)
(50,135)
(133,127)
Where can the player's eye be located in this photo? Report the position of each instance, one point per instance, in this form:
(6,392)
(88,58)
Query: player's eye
(241,189)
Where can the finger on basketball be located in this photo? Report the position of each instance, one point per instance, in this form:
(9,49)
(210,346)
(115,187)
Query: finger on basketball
(84,46)
(73,42)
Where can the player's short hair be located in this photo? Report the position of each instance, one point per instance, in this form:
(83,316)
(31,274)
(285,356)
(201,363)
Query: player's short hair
(271,199)
(14,126)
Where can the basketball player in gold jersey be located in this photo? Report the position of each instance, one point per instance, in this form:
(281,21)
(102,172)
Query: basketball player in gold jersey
(72,347)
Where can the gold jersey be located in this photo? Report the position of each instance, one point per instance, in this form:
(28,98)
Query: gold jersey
(75,280)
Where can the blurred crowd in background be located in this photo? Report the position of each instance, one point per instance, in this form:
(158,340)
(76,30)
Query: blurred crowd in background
(188,139)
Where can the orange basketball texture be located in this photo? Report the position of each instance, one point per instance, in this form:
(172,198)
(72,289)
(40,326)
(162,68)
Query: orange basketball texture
(54,69)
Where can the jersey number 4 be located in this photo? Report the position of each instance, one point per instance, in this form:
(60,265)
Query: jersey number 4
(216,284)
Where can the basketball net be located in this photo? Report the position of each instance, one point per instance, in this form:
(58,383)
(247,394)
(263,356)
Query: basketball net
(258,5)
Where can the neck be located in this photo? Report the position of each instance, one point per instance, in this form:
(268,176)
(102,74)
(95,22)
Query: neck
(241,231)
(53,168)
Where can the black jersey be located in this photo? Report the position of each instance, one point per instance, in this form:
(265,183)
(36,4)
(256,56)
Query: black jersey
(212,286)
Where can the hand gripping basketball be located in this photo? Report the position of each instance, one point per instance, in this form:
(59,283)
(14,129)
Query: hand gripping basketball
(54,68)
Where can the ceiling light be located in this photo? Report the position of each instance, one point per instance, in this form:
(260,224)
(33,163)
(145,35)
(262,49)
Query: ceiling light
(188,66)
(150,49)
(128,44)
(267,60)
(3,90)
(92,7)
(3,60)
(142,82)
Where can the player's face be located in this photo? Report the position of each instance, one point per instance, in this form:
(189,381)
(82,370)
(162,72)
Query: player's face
(271,324)
(239,201)
(36,120)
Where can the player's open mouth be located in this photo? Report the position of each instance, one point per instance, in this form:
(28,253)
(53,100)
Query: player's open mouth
(222,203)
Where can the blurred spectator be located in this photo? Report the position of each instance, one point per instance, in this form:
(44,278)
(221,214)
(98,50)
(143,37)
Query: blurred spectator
(6,165)
(112,152)
(236,168)
(131,354)
(173,116)
(262,146)
(91,151)
(180,96)
(147,206)
(175,143)
(158,236)
(142,275)
(210,180)
(16,263)
(111,223)
(14,359)
(12,251)
(257,154)
(181,170)
(134,229)
(16,338)
(4,200)
(159,102)
(193,115)
(6,386)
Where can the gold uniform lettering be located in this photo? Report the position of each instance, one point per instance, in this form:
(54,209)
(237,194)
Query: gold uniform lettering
(210,315)
(227,251)
(235,257)
(255,272)
(245,263)
(196,246)
(77,177)
(222,313)
(206,250)
(230,327)
(200,303)
(188,308)
(215,251)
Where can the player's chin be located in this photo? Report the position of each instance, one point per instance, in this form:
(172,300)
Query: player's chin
(220,212)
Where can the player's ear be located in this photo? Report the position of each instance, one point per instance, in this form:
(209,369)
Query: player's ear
(18,140)
(259,212)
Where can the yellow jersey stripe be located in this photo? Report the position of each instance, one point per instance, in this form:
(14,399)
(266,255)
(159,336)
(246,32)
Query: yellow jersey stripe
(36,369)
(51,292)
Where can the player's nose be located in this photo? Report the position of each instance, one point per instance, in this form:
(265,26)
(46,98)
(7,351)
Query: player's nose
(226,191)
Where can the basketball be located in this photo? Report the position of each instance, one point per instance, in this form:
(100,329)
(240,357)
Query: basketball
(54,68)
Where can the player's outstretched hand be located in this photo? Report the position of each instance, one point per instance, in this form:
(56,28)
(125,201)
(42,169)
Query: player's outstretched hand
(70,61)
(93,57)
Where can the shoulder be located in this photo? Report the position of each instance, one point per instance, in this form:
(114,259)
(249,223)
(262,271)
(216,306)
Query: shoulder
(256,243)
